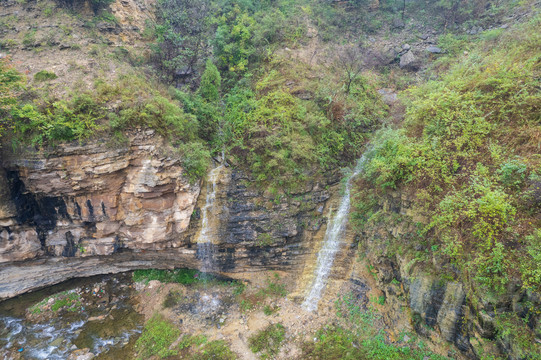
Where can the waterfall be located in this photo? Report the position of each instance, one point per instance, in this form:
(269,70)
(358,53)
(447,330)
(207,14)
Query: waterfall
(331,243)
(205,247)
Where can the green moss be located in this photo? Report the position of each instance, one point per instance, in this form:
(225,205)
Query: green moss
(181,276)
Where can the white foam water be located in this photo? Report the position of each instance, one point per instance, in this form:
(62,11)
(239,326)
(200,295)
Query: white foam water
(331,243)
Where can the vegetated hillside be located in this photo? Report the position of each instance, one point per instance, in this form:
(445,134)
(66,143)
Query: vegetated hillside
(288,88)
(289,69)
(469,152)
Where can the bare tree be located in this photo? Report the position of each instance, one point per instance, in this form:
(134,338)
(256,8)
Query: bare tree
(351,62)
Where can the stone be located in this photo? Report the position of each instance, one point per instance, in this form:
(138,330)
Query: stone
(57,342)
(82,354)
(434,50)
(388,95)
(398,23)
(406,47)
(408,61)
(451,310)
(423,36)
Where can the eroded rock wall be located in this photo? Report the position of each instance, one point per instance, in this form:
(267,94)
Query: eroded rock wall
(430,292)
(87,209)
(92,200)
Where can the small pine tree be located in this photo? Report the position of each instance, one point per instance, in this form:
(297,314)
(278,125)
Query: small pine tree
(211,81)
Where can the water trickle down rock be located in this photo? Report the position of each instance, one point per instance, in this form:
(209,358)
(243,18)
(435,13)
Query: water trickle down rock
(209,227)
(331,243)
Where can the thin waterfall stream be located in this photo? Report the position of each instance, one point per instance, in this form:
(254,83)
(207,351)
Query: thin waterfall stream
(205,246)
(331,242)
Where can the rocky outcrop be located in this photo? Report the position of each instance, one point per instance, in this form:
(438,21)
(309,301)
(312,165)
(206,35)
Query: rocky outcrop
(92,200)
(90,209)
(440,305)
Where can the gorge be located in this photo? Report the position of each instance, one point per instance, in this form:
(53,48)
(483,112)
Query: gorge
(289,179)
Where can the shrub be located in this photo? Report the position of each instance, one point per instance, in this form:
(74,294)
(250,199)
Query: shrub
(267,341)
(45,75)
(11,83)
(393,159)
(214,350)
(210,83)
(531,263)
(195,160)
(513,173)
(156,338)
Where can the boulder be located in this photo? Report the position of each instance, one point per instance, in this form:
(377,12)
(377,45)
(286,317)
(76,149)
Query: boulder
(409,62)
(434,50)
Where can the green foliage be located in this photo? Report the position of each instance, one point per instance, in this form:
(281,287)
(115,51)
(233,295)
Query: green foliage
(195,160)
(217,349)
(211,82)
(181,276)
(233,41)
(392,159)
(465,150)
(531,264)
(267,341)
(269,310)
(45,75)
(264,239)
(11,83)
(513,173)
(188,341)
(334,343)
(60,121)
(67,300)
(157,337)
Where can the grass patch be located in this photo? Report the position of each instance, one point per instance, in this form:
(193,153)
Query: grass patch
(274,289)
(268,341)
(181,276)
(68,300)
(214,350)
(45,75)
(157,337)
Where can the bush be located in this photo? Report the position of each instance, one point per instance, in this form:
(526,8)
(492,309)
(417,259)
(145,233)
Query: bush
(267,341)
(531,264)
(157,337)
(11,83)
(45,75)
(393,159)
(195,160)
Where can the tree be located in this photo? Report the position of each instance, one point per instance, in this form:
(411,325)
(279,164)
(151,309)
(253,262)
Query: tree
(211,81)
(182,36)
(351,62)
(233,44)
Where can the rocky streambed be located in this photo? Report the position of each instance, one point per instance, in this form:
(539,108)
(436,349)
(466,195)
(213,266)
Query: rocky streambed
(78,319)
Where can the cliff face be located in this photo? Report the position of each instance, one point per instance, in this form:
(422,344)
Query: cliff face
(89,200)
(88,209)
(439,304)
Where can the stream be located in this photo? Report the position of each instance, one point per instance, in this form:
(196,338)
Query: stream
(91,315)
